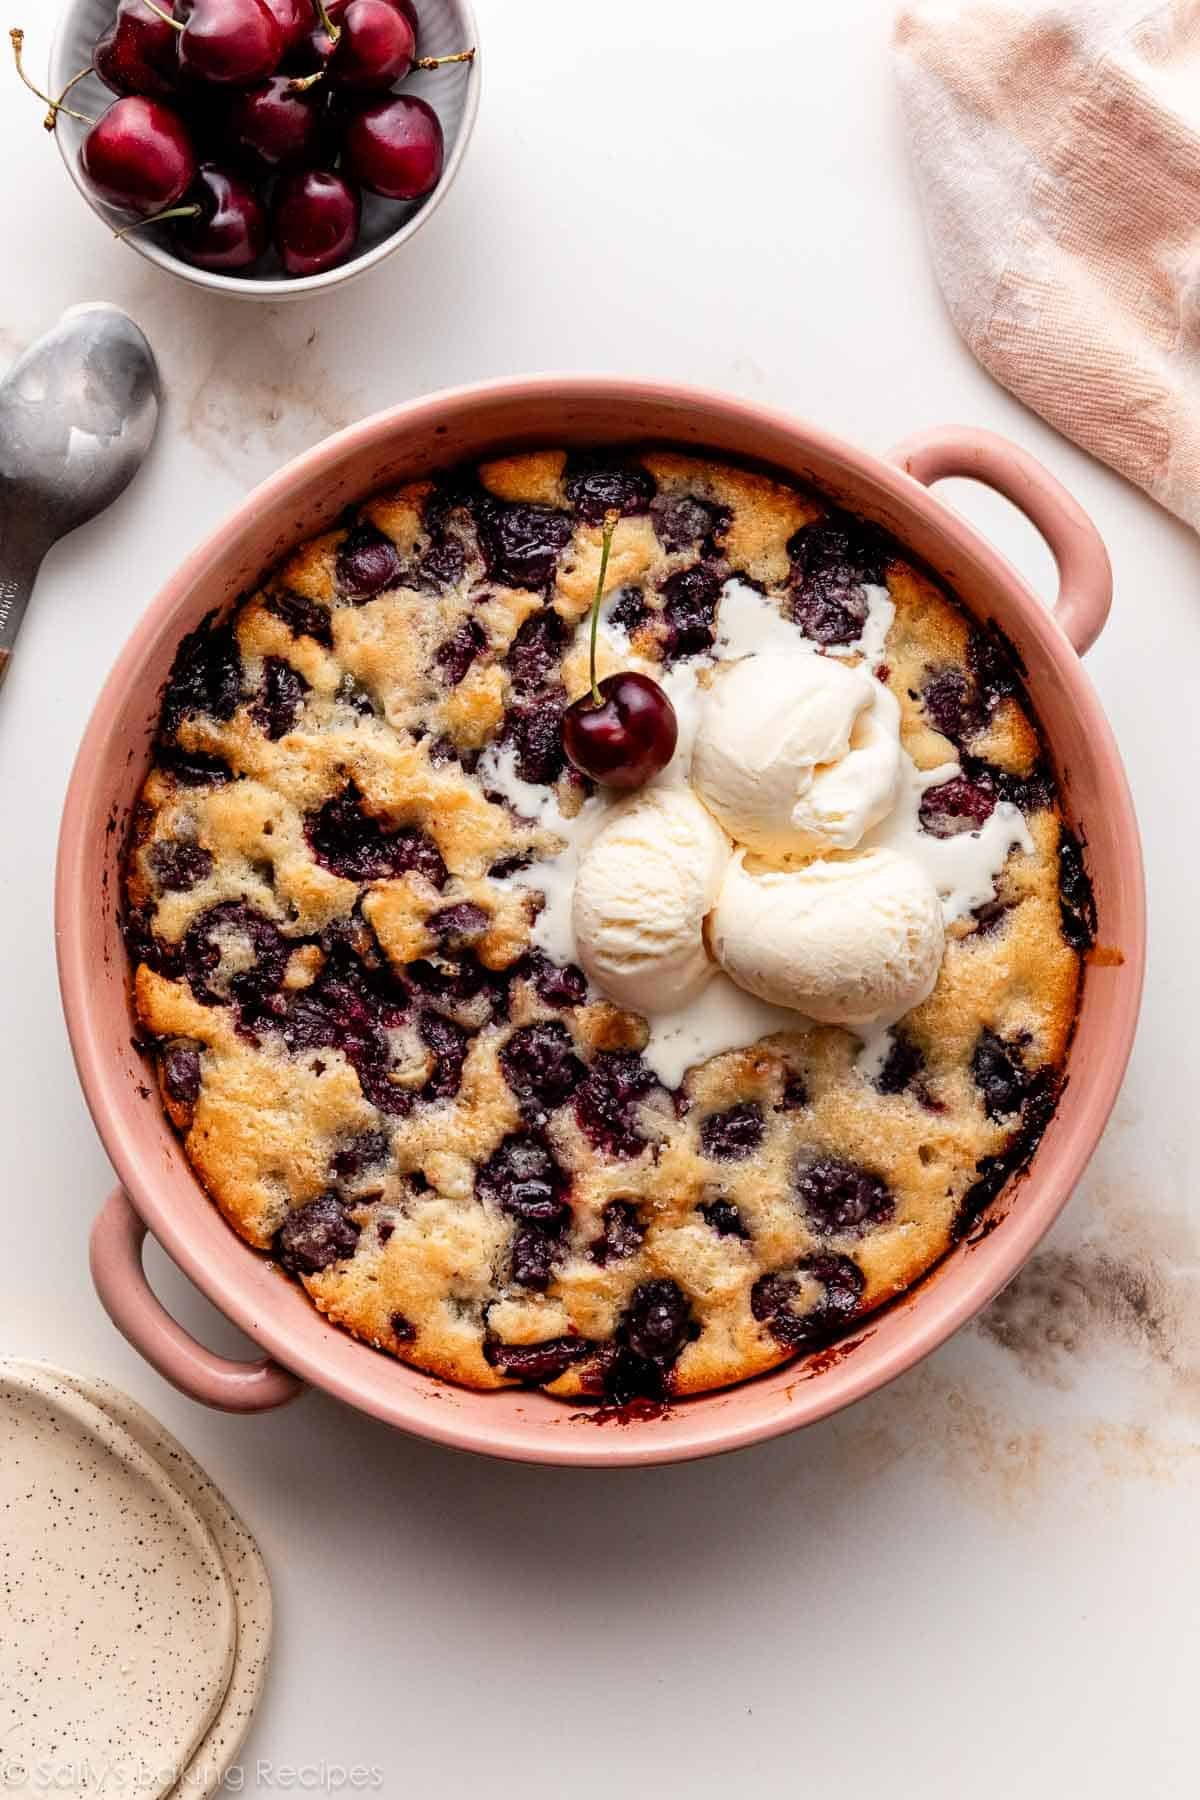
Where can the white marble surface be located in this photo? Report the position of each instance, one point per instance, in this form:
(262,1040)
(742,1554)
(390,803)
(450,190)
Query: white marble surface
(984,1580)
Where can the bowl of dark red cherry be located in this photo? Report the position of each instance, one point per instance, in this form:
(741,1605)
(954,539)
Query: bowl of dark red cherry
(263,148)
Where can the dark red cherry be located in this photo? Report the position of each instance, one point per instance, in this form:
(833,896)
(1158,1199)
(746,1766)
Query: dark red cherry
(138,156)
(294,18)
(317,216)
(138,53)
(230,230)
(276,124)
(395,148)
(375,48)
(629,738)
(230,42)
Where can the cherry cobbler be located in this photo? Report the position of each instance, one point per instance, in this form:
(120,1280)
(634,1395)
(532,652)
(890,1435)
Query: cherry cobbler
(350,892)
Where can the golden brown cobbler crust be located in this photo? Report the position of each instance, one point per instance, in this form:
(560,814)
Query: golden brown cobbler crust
(428,1276)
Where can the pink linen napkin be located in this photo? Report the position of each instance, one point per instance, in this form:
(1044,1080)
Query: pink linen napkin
(1057,150)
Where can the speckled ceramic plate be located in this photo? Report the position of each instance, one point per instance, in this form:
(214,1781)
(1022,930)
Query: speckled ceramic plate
(221,1744)
(118,1622)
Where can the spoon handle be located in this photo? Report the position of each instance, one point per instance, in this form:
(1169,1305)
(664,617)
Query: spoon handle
(20,560)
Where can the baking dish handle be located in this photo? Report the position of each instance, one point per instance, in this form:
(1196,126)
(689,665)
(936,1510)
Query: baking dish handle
(1084,571)
(116,1260)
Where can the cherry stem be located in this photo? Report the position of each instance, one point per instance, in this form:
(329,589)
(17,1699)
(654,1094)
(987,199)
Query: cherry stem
(610,525)
(303,83)
(172,212)
(17,37)
(164,16)
(332,32)
(439,62)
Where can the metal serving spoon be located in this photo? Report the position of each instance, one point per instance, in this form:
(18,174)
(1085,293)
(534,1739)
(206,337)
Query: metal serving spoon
(78,412)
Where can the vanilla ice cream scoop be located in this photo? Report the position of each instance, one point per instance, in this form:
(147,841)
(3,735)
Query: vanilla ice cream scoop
(854,941)
(797,753)
(643,891)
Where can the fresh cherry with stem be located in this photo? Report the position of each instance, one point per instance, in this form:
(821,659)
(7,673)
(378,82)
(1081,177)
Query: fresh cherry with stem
(138,53)
(375,47)
(274,124)
(368,44)
(624,729)
(221,225)
(234,42)
(395,147)
(317,218)
(138,155)
(17,39)
(294,18)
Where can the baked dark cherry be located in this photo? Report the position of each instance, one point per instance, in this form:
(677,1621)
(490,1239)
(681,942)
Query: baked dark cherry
(732,1135)
(1077,900)
(558,984)
(522,544)
(902,1064)
(1000,1075)
(137,54)
(535,1363)
(395,148)
(842,1197)
(193,768)
(622,1233)
(541,1067)
(625,739)
(280,698)
(956,806)
(795,1093)
(370,1149)
(181,1073)
(689,611)
(403,1329)
(367,562)
(205,678)
(606,1104)
(453,658)
(595,489)
(773,1297)
(724,1218)
(231,924)
(449,1043)
(536,651)
(682,522)
(535,731)
(832,561)
(532,1256)
(177,867)
(628,609)
(353,1009)
(952,705)
(303,617)
(523,1179)
(349,842)
(314,1237)
(656,1323)
(139,156)
(459,926)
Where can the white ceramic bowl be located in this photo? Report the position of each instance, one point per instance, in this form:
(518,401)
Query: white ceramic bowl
(446,26)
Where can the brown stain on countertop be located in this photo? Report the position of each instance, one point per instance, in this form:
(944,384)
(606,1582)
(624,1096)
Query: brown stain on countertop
(265,402)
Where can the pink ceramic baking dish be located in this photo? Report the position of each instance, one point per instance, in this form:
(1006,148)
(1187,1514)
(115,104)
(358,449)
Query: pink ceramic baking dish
(158,1190)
